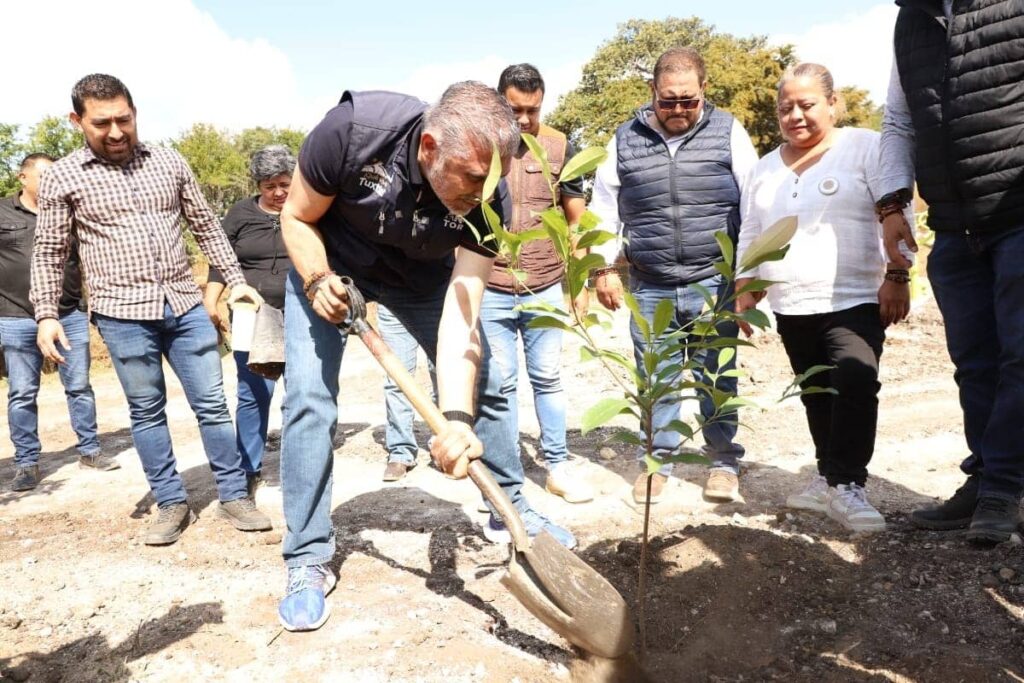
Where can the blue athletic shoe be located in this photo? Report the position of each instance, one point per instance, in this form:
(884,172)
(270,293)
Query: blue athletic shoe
(304,607)
(495,530)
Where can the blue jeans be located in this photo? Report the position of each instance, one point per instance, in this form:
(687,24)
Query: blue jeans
(189,342)
(399,437)
(252,414)
(24,368)
(503,323)
(719,435)
(978,282)
(312,363)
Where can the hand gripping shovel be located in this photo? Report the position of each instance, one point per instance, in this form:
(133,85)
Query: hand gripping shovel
(549,580)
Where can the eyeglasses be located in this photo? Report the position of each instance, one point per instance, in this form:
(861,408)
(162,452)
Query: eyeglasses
(670,105)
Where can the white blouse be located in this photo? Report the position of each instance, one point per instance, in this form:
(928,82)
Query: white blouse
(836,259)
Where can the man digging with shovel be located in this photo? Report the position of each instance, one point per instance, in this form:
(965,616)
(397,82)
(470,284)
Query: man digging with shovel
(379,193)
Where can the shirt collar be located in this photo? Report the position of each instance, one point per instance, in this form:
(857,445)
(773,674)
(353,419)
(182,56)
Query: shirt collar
(415,176)
(88,156)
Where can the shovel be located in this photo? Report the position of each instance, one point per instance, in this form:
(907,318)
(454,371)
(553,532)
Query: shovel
(550,581)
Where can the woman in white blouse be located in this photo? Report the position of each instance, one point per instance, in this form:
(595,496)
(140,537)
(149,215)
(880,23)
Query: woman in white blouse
(835,294)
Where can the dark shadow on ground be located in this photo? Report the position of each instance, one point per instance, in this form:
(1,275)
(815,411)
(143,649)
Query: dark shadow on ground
(449,528)
(92,659)
(728,603)
(202,490)
(111,443)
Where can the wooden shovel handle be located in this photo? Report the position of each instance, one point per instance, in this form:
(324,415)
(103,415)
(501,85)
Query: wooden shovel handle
(419,399)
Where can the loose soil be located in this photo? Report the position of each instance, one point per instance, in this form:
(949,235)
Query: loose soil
(739,592)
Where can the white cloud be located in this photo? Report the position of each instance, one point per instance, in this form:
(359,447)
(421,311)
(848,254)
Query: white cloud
(179,64)
(856,48)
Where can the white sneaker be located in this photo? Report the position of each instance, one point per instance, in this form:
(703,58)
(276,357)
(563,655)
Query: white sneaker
(566,481)
(848,504)
(813,497)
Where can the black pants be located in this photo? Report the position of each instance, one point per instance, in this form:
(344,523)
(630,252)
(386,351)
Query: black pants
(842,424)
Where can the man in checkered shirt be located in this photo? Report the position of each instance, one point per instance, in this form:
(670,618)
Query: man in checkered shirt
(125,200)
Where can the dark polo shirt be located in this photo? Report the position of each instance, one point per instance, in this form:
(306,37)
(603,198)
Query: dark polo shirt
(17,231)
(386,224)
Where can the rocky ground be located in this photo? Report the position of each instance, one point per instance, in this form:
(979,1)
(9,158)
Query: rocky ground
(739,592)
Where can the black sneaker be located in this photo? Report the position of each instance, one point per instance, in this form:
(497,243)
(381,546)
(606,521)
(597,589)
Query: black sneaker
(955,513)
(26,478)
(994,520)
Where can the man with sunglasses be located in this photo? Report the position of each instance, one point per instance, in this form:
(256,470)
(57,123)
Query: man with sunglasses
(673,178)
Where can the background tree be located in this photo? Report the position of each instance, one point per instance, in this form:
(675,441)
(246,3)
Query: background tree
(54,135)
(742,73)
(10,158)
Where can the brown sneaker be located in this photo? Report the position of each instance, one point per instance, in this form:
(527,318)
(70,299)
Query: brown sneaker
(99,462)
(168,526)
(722,487)
(395,471)
(658,482)
(244,515)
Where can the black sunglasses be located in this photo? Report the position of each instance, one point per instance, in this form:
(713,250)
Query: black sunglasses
(669,105)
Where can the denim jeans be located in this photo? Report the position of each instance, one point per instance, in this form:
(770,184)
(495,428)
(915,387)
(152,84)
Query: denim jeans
(978,282)
(24,368)
(399,436)
(312,363)
(189,342)
(503,324)
(252,414)
(719,435)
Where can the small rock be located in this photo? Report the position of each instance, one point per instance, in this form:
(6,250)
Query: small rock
(739,519)
(989,580)
(607,453)
(828,626)
(85,612)
(1006,573)
(46,631)
(10,620)
(944,629)
(271,538)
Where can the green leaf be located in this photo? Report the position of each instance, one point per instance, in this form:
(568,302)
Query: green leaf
(589,220)
(541,154)
(768,242)
(754,285)
(493,176)
(627,437)
(638,318)
(726,246)
(755,317)
(680,427)
(583,163)
(663,314)
(548,321)
(724,269)
(593,238)
(725,356)
(601,412)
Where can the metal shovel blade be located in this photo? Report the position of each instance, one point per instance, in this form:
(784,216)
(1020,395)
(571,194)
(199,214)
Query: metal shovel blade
(570,597)
(555,585)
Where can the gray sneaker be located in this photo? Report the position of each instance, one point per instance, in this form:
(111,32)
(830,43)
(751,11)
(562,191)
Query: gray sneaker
(244,515)
(168,526)
(98,462)
(26,478)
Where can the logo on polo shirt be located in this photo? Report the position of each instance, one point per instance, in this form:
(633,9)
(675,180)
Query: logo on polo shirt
(375,177)
(453,222)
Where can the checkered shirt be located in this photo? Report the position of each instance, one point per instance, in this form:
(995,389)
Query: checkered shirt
(128,222)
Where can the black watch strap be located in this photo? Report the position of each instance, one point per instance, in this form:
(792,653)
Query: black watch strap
(459,416)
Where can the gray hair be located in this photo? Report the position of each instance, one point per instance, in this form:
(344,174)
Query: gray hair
(823,76)
(472,113)
(270,162)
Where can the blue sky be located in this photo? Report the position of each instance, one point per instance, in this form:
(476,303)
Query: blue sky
(238,64)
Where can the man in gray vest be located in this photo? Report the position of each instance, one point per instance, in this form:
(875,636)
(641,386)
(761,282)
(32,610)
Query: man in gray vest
(647,191)
(953,119)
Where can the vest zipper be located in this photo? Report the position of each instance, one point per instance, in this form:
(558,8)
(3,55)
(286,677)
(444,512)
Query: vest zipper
(947,141)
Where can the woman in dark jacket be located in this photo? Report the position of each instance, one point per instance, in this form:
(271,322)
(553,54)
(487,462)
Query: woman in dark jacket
(253,226)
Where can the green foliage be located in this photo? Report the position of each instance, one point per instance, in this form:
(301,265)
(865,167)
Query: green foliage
(10,158)
(54,135)
(742,75)
(860,110)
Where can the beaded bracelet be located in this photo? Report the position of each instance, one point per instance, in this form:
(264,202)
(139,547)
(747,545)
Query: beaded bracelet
(313,282)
